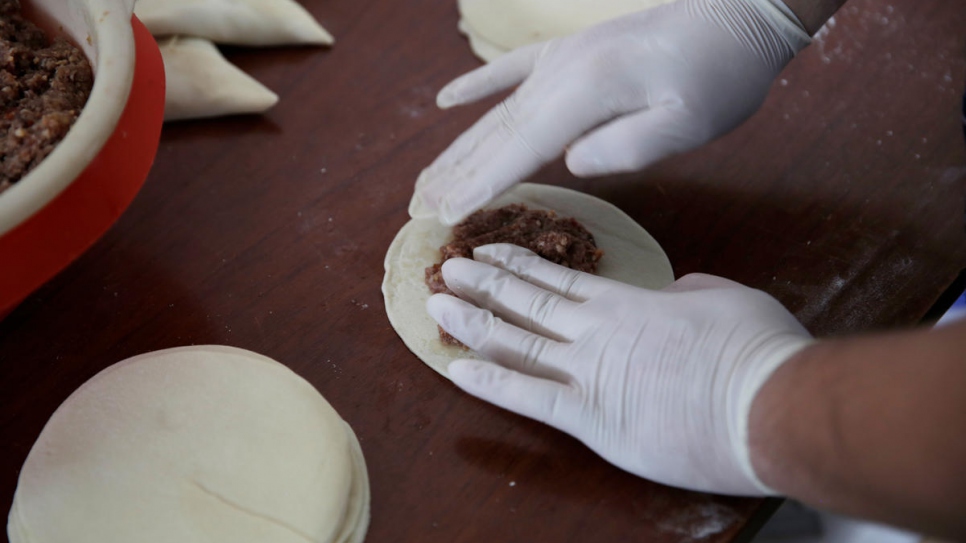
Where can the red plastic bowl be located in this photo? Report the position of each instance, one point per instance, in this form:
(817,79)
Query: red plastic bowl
(69,200)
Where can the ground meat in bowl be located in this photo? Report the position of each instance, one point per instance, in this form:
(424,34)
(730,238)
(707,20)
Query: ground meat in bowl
(560,240)
(44,84)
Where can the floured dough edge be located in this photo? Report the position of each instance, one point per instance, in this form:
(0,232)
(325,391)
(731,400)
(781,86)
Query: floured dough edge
(356,520)
(631,256)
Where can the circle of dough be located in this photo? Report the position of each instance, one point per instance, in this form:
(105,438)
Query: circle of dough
(193,445)
(631,256)
(497,26)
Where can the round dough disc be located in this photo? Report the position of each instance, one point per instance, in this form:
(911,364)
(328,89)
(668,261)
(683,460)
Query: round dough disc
(196,444)
(502,25)
(631,256)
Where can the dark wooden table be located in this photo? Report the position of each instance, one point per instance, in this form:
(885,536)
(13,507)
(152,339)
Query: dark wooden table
(843,197)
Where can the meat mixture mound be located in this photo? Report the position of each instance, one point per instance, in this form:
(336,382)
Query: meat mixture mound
(560,240)
(44,84)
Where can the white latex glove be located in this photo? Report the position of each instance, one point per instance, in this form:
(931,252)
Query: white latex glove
(617,96)
(659,383)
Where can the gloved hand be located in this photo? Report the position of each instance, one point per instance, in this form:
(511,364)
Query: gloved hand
(617,96)
(659,383)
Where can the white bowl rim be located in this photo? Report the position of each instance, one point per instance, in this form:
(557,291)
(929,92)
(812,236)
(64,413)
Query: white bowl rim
(102,28)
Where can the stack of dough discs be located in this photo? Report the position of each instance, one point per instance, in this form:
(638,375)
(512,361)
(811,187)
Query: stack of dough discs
(631,256)
(197,444)
(497,26)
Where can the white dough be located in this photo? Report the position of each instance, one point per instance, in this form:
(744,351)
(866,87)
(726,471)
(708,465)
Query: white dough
(237,22)
(497,26)
(482,48)
(631,255)
(200,82)
(193,445)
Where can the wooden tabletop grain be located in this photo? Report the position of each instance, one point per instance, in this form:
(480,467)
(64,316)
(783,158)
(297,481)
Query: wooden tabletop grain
(843,197)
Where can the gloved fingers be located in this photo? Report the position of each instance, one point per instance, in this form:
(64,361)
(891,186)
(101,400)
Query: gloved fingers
(425,200)
(494,338)
(477,167)
(700,281)
(544,400)
(449,190)
(635,141)
(527,265)
(508,144)
(513,299)
(506,71)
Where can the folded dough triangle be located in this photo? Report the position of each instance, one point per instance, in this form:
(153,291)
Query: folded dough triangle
(202,83)
(237,22)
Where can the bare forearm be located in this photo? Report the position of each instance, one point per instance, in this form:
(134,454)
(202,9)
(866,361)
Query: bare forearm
(872,427)
(814,13)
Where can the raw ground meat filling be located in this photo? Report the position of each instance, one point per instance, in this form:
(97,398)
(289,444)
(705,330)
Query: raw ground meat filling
(44,84)
(560,240)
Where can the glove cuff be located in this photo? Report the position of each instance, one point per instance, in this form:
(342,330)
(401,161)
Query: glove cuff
(767,27)
(788,24)
(752,383)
